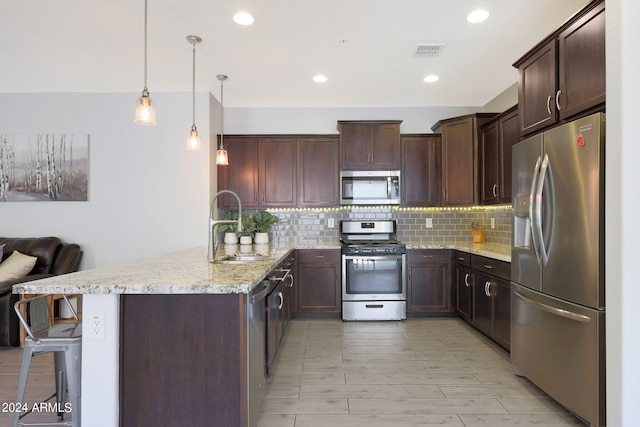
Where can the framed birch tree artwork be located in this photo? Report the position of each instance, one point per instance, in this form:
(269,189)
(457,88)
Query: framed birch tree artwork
(44,167)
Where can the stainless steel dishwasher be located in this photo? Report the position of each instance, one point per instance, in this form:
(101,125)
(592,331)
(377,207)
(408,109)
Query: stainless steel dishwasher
(256,381)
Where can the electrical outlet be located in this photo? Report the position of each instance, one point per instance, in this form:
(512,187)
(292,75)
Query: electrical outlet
(331,223)
(493,223)
(428,222)
(96,327)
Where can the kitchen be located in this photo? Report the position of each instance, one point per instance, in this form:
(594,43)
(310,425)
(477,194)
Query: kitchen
(137,209)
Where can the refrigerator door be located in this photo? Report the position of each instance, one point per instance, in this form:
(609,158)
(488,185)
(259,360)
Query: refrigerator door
(525,260)
(571,183)
(561,348)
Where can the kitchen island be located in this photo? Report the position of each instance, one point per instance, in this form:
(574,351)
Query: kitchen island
(181,322)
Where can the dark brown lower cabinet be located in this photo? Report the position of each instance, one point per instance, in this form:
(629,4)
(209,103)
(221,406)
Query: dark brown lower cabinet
(317,291)
(429,278)
(491,298)
(464,289)
(183,360)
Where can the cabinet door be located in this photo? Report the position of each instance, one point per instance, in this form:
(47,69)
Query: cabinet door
(421,171)
(537,86)
(509,136)
(241,175)
(482,302)
(464,295)
(318,283)
(278,172)
(429,281)
(582,63)
(458,165)
(318,172)
(501,311)
(385,146)
(275,324)
(355,139)
(489,163)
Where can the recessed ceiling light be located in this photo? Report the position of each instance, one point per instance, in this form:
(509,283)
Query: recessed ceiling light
(319,78)
(477,16)
(243,18)
(431,78)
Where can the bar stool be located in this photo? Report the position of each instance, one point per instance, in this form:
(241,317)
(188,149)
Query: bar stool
(64,340)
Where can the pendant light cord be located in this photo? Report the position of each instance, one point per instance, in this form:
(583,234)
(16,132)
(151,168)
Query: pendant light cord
(194,87)
(221,114)
(145,49)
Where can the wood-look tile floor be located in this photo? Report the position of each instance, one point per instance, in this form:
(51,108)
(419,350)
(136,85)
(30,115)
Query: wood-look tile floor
(423,372)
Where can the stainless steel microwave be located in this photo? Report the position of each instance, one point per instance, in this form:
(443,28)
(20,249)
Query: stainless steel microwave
(370,187)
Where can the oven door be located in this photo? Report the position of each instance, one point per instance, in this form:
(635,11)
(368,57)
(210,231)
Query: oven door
(374,278)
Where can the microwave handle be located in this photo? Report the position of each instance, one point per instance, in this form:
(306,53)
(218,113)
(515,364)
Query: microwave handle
(389,188)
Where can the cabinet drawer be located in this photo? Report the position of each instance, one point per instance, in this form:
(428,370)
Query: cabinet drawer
(491,266)
(417,256)
(463,258)
(319,255)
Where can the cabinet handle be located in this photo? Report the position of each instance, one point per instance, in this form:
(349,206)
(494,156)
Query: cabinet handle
(558,99)
(264,195)
(460,258)
(494,190)
(319,256)
(281,301)
(427,256)
(466,280)
(489,267)
(549,105)
(487,288)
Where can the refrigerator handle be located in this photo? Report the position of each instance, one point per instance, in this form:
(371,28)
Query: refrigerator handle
(532,200)
(539,236)
(554,310)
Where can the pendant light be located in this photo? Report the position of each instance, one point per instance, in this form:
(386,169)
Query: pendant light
(145,107)
(222,158)
(193,142)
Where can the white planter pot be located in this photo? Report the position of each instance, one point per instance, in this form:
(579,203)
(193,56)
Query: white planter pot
(261,238)
(245,240)
(230,238)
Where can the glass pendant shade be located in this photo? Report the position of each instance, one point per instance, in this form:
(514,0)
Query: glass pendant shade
(145,110)
(193,142)
(222,158)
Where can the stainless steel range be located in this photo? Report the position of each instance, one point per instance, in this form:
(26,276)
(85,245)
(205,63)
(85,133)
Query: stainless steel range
(374,283)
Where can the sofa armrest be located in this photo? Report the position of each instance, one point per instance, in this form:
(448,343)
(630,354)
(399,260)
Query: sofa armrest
(67,259)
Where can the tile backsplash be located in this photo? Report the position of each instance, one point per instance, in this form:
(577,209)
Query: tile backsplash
(449,224)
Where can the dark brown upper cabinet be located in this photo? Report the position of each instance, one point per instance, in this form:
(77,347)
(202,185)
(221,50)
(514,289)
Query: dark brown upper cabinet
(421,170)
(497,138)
(369,145)
(318,172)
(564,75)
(460,164)
(261,170)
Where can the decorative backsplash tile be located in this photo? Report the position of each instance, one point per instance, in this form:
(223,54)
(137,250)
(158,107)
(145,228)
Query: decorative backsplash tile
(449,224)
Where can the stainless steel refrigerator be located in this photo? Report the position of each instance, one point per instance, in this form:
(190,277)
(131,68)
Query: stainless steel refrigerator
(557,265)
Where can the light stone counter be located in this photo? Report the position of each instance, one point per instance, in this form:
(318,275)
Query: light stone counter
(182,272)
(491,250)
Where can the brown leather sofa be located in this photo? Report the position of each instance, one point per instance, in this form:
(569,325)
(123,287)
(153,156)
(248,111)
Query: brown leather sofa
(54,258)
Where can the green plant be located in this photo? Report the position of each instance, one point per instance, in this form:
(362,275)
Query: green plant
(248,225)
(231,215)
(264,220)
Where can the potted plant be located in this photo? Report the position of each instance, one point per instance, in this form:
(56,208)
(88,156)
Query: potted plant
(263,222)
(229,230)
(248,228)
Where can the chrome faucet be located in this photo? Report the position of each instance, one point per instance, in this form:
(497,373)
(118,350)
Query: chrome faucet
(213,222)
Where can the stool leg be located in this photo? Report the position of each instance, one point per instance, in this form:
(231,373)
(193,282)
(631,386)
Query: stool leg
(73,360)
(61,379)
(22,380)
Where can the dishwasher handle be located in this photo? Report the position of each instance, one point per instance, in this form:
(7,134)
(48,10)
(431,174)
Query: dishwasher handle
(259,294)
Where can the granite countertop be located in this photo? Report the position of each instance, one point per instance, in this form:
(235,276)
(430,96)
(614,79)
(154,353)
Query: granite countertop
(491,250)
(189,272)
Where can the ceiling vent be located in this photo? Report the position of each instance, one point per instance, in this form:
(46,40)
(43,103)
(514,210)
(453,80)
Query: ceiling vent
(427,50)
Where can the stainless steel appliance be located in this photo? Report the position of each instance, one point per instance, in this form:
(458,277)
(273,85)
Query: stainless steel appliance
(370,187)
(256,327)
(374,283)
(557,265)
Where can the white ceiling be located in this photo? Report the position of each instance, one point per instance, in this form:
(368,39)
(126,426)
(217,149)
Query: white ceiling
(97,46)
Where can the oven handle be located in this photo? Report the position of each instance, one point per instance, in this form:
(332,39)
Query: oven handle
(376,257)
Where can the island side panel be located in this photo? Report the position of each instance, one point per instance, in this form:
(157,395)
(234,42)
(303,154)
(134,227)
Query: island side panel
(183,360)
